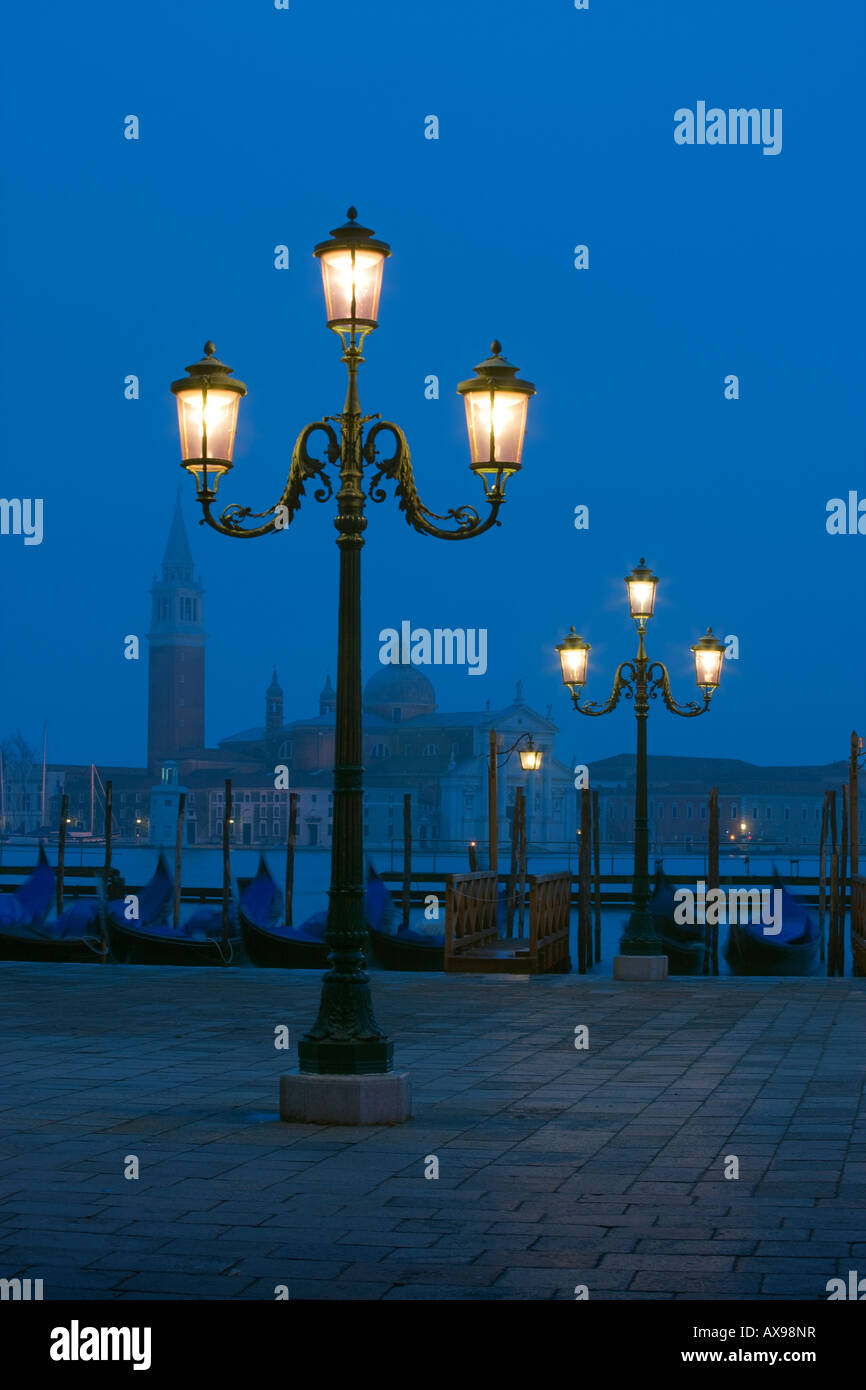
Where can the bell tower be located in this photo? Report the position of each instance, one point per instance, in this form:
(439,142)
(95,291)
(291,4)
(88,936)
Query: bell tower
(175,711)
(274,707)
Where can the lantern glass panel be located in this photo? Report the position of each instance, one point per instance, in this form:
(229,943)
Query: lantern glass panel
(352,280)
(508,409)
(207,422)
(708,666)
(641,597)
(573,661)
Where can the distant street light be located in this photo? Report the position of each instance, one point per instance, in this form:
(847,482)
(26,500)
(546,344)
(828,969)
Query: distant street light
(530,760)
(641,680)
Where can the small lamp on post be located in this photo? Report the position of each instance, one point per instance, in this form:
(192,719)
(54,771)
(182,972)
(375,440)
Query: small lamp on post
(530,757)
(496,403)
(207,411)
(641,585)
(708,653)
(573,658)
(352,261)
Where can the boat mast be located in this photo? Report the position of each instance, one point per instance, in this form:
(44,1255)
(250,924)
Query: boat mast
(44,755)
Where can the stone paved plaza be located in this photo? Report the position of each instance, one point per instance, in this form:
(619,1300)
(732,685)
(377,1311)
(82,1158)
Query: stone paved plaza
(557,1166)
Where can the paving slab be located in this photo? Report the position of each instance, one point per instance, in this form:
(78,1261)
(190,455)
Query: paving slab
(557,1166)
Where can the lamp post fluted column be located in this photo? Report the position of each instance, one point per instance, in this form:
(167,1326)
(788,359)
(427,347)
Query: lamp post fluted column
(346,1039)
(640,934)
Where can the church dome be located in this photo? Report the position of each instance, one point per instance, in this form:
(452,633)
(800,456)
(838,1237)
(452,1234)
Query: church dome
(399,688)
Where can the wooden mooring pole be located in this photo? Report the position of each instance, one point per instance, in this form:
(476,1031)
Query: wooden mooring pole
(227,866)
(843,873)
(521,864)
(584,924)
(596,844)
(106,873)
(853,794)
(178,851)
(61,850)
(492,791)
(291,836)
(822,873)
(407,856)
(833,908)
(512,872)
(711,942)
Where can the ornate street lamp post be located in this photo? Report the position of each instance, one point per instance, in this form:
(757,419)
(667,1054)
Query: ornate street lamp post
(641,680)
(345,1041)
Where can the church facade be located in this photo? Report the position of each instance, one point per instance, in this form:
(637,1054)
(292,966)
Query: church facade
(409,747)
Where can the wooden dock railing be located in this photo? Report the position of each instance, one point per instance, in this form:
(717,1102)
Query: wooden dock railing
(549,912)
(471,904)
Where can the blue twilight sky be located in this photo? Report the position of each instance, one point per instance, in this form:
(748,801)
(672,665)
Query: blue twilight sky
(259,127)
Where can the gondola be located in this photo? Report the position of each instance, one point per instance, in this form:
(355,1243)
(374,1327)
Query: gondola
(25,934)
(684,944)
(267,939)
(404,949)
(407,950)
(793,951)
(151,939)
(73,938)
(272,944)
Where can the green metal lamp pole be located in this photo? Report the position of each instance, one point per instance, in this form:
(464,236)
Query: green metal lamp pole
(345,1039)
(641,680)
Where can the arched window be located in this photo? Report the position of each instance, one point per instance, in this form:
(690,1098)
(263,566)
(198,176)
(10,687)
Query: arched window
(431,750)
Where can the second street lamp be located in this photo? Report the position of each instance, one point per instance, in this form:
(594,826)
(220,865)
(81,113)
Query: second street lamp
(641,680)
(345,1041)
